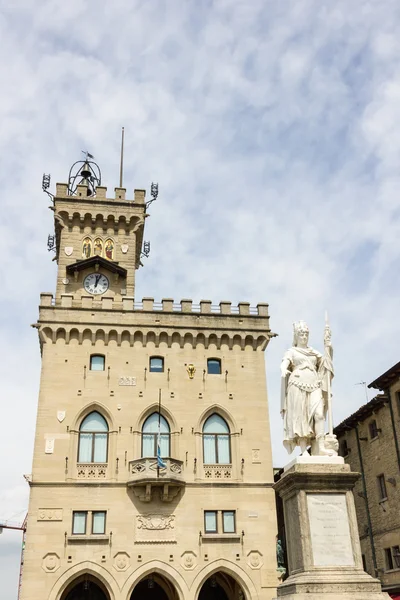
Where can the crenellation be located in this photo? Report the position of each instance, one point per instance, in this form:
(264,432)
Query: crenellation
(120,193)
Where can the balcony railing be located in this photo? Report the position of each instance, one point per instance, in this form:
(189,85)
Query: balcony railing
(145,476)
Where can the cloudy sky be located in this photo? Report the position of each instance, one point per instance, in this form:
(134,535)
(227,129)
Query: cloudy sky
(273,130)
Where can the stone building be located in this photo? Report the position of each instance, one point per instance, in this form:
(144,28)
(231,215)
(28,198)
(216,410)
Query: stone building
(369,442)
(152,470)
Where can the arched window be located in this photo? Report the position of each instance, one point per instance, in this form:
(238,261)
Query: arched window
(156,364)
(216,441)
(93,439)
(213,366)
(97,362)
(150,436)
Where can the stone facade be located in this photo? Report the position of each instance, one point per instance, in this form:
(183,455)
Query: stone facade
(152,533)
(369,442)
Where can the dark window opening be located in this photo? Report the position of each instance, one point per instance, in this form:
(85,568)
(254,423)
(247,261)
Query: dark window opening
(97,362)
(382,487)
(156,364)
(214,366)
(373,430)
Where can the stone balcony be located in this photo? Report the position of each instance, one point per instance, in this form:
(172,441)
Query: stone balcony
(145,478)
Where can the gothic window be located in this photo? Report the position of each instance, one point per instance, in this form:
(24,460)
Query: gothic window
(109,249)
(213,366)
(98,247)
(97,362)
(156,364)
(93,439)
(87,248)
(216,441)
(153,424)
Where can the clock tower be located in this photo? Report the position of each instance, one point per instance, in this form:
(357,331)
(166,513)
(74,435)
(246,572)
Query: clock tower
(152,470)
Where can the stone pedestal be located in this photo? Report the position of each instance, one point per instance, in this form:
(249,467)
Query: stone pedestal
(323,547)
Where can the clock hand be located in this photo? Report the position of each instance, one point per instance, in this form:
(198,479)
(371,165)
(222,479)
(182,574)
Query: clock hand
(97,280)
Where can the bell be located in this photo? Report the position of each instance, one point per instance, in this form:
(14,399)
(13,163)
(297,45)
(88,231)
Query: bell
(85,173)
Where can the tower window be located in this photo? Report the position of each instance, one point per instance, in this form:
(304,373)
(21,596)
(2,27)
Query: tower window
(154,424)
(97,362)
(213,366)
(382,487)
(216,441)
(93,439)
(373,430)
(156,364)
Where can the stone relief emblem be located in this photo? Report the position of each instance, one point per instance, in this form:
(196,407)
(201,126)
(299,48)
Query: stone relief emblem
(191,369)
(121,561)
(50,514)
(255,455)
(189,560)
(61,415)
(68,250)
(49,446)
(155,521)
(254,559)
(124,248)
(51,562)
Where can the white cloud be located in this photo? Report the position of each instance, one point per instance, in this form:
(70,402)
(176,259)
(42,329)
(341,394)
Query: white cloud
(273,130)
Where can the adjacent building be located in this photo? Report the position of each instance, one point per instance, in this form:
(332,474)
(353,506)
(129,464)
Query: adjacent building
(152,470)
(369,442)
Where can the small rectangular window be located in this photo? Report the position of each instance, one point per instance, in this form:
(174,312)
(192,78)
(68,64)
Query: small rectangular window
(79,519)
(97,362)
(98,522)
(228,521)
(382,487)
(373,430)
(396,556)
(214,366)
(210,521)
(156,364)
(388,559)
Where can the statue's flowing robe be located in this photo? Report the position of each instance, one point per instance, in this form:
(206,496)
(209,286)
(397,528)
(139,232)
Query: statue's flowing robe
(302,393)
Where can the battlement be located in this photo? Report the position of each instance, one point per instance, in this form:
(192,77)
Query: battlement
(101,194)
(205,307)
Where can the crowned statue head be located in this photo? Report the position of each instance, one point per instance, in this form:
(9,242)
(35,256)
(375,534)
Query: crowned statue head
(300,333)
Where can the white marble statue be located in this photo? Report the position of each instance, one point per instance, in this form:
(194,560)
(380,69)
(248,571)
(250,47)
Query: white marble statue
(306,396)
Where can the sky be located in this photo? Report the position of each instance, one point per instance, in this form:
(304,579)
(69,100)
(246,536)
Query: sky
(273,131)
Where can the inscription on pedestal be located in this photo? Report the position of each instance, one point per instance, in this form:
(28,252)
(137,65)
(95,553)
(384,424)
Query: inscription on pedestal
(330,530)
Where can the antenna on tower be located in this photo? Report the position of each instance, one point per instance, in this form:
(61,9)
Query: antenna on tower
(121,166)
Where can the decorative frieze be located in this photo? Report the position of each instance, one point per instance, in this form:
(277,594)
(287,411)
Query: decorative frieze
(91,471)
(218,472)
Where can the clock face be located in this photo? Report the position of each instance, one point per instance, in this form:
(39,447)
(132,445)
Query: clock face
(96,283)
